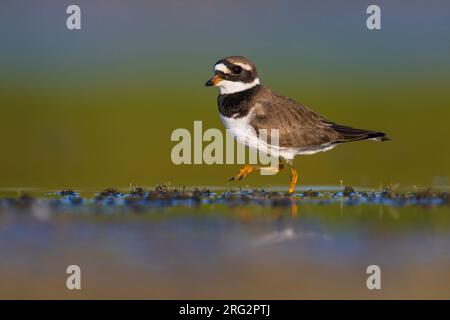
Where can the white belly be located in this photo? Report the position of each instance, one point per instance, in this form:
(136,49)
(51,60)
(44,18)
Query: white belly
(241,129)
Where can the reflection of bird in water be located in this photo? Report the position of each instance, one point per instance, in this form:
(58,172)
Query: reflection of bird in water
(288,234)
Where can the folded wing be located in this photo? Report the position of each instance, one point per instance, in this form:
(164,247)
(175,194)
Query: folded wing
(299,126)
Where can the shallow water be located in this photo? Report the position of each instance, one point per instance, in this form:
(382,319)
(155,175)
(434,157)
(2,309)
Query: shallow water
(306,249)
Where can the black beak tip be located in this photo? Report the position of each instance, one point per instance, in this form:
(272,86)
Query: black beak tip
(208,83)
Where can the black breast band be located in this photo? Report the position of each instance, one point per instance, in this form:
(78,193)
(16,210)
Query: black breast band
(236,105)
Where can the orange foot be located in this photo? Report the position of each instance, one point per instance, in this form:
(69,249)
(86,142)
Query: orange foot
(243,172)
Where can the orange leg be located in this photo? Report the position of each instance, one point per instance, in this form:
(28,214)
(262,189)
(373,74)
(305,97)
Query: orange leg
(243,172)
(247,169)
(294,177)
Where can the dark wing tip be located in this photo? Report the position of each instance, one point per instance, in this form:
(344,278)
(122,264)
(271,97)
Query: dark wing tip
(378,136)
(354,134)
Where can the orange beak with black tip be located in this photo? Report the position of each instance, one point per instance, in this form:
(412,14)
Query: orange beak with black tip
(214,81)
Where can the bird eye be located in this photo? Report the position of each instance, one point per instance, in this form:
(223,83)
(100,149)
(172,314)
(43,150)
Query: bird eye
(237,69)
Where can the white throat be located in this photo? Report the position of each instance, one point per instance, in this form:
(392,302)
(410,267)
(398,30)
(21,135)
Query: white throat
(227,87)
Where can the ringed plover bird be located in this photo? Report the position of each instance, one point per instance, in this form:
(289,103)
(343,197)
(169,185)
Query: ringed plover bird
(246,107)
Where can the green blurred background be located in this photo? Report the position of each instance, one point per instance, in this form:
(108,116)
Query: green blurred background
(96,107)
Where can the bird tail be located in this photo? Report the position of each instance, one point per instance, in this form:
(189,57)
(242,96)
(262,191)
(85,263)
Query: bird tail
(353,134)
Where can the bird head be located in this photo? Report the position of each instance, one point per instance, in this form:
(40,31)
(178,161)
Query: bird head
(234,74)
